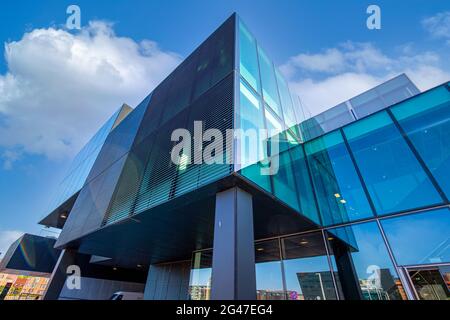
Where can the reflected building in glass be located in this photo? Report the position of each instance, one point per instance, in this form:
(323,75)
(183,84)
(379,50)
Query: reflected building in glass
(352,203)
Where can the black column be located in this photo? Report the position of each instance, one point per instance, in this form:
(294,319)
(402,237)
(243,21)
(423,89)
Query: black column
(59,274)
(233,267)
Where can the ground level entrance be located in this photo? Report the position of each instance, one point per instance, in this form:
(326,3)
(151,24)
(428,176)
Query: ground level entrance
(431,282)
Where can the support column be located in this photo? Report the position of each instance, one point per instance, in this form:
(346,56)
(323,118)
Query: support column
(233,267)
(59,274)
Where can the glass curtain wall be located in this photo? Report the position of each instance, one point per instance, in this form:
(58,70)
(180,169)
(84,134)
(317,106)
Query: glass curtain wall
(426,123)
(340,195)
(266,103)
(395,179)
(356,261)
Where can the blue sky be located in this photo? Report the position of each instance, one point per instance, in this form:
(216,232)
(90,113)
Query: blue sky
(51,101)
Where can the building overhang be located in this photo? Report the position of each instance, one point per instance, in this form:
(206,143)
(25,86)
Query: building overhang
(172,231)
(58,217)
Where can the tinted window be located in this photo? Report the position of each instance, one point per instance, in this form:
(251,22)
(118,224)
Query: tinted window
(269,279)
(306,268)
(339,192)
(426,120)
(269,84)
(363,263)
(419,238)
(393,176)
(248,57)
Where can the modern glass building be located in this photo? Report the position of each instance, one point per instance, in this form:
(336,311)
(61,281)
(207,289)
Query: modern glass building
(349,204)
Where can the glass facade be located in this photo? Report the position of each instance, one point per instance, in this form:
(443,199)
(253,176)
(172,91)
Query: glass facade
(364,267)
(421,238)
(200,279)
(362,180)
(394,177)
(426,122)
(307,269)
(339,191)
(371,180)
(378,98)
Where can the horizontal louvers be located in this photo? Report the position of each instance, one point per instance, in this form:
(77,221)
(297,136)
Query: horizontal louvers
(159,180)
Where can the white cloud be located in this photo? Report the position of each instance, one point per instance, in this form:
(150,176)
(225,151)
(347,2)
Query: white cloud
(349,56)
(6,239)
(60,86)
(325,79)
(9,157)
(438,25)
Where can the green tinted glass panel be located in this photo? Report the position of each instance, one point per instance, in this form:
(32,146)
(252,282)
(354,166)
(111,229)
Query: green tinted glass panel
(305,192)
(251,121)
(283,180)
(393,176)
(248,59)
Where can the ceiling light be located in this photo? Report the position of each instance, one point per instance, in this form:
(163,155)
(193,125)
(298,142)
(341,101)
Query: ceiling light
(63,216)
(304,242)
(337,195)
(260,249)
(343,201)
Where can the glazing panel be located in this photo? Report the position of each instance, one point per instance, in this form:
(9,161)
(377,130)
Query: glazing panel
(283,180)
(269,83)
(339,192)
(201,271)
(248,59)
(305,192)
(392,174)
(307,272)
(269,280)
(419,238)
(286,102)
(426,121)
(364,267)
(251,121)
